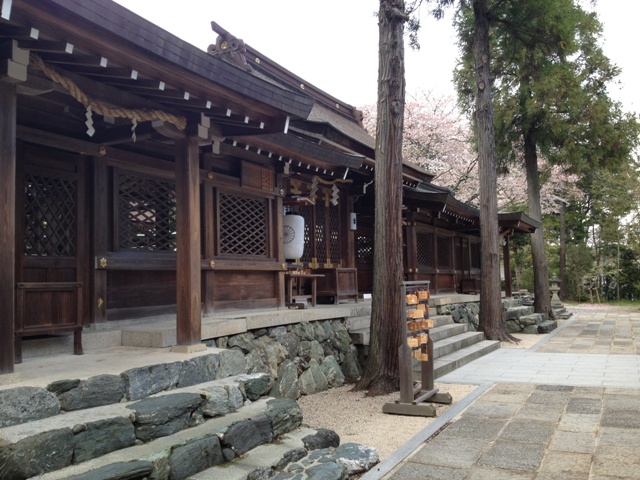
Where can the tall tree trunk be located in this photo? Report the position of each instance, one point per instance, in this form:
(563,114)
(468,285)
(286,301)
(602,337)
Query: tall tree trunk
(382,371)
(542,301)
(563,253)
(491,321)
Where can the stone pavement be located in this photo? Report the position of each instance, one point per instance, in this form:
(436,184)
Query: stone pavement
(567,408)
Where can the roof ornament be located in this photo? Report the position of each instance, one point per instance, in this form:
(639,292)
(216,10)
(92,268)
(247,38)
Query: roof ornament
(229,48)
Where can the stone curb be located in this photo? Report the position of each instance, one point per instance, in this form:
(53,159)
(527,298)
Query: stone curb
(411,445)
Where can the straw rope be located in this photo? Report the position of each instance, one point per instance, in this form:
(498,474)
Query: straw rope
(101,108)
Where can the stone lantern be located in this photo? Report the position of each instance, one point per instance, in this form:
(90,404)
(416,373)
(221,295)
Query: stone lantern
(555,288)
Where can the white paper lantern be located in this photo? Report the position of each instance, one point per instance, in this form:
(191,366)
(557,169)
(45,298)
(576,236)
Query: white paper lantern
(293,236)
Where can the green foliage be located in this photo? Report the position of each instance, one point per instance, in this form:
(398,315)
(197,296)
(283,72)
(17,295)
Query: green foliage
(579,269)
(551,79)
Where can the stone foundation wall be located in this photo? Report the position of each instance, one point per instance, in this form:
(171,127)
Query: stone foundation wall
(462,313)
(303,358)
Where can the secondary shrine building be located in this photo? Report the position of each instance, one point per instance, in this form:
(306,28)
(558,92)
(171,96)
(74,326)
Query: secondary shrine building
(141,175)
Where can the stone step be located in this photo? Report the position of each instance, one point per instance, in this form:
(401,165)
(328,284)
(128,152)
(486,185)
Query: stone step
(440,320)
(443,328)
(303,453)
(447,331)
(361,336)
(87,434)
(275,456)
(92,340)
(359,323)
(457,342)
(160,331)
(23,404)
(184,452)
(448,363)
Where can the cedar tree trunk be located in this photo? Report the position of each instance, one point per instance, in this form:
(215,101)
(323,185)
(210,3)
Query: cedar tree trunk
(542,301)
(382,370)
(491,321)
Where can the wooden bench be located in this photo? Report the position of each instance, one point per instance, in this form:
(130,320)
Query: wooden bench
(294,277)
(338,283)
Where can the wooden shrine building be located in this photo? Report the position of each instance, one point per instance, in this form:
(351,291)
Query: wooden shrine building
(141,175)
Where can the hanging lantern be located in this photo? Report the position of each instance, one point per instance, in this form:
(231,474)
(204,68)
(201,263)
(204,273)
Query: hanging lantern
(293,236)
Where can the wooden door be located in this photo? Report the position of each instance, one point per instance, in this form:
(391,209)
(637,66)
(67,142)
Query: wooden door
(51,246)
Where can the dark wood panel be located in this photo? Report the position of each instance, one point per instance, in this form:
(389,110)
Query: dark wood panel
(365,279)
(49,275)
(141,288)
(46,309)
(243,287)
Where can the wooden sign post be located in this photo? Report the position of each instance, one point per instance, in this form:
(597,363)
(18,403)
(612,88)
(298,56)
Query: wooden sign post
(416,343)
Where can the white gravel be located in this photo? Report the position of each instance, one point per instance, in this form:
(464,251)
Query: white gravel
(358,418)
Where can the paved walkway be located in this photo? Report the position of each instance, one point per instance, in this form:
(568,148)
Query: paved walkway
(566,409)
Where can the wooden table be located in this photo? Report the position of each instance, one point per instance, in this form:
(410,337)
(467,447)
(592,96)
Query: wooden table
(289,277)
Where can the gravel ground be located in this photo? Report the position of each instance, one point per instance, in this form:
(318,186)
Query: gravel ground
(358,418)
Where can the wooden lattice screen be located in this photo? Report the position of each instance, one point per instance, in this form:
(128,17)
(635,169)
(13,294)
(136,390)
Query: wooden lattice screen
(147,213)
(320,234)
(307,212)
(444,252)
(243,225)
(334,234)
(364,249)
(50,216)
(425,249)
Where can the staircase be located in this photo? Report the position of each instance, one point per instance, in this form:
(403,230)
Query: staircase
(453,345)
(199,418)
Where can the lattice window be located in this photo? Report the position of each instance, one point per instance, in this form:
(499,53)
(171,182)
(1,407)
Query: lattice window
(146,213)
(475,255)
(364,249)
(334,233)
(307,212)
(444,252)
(243,225)
(320,234)
(50,216)
(425,249)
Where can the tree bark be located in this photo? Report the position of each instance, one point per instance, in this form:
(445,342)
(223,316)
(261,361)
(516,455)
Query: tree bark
(563,253)
(491,321)
(542,301)
(382,370)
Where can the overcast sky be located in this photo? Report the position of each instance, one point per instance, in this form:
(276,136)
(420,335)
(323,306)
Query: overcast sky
(333,44)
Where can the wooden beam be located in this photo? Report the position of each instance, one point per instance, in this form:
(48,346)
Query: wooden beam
(8,100)
(188,275)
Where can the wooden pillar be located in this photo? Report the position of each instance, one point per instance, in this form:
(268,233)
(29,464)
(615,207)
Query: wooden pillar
(7,224)
(506,259)
(100,225)
(412,247)
(188,274)
(278,239)
(208,276)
